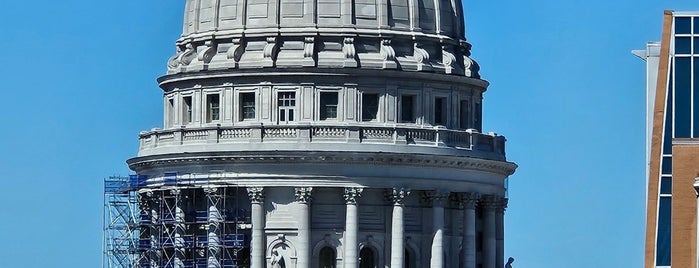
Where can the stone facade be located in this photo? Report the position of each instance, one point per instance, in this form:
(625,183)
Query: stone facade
(322,134)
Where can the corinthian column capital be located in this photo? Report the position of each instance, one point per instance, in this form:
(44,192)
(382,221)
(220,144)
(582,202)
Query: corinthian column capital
(352,194)
(435,198)
(470,199)
(303,194)
(256,194)
(396,195)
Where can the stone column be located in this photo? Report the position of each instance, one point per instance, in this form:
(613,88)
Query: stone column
(437,199)
(469,240)
(490,204)
(500,233)
(303,198)
(396,196)
(351,227)
(257,247)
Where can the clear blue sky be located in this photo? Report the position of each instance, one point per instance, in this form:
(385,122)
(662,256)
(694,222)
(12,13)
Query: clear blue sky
(78,84)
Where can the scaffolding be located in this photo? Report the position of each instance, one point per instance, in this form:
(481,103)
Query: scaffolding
(174,222)
(120,226)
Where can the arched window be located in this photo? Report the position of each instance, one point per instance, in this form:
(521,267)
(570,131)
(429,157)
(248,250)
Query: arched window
(327,258)
(367,258)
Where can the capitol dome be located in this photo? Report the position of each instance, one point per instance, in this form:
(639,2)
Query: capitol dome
(318,134)
(407,35)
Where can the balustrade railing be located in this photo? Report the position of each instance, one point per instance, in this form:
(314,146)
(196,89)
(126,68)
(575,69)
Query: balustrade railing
(435,137)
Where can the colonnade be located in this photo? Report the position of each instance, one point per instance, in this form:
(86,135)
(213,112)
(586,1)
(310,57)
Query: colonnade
(493,208)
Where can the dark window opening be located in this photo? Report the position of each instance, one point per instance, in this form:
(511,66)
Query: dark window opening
(367,258)
(187,110)
(247,106)
(328,105)
(407,109)
(370,107)
(326,258)
(477,117)
(464,114)
(286,102)
(440,111)
(213,106)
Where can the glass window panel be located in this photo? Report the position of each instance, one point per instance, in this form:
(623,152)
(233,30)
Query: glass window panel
(666,185)
(370,106)
(247,104)
(407,109)
(667,133)
(683,45)
(696,94)
(464,115)
(683,25)
(696,45)
(664,232)
(187,110)
(213,106)
(328,105)
(667,165)
(683,101)
(696,25)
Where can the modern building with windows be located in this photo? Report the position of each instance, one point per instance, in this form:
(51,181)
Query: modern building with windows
(320,134)
(672,142)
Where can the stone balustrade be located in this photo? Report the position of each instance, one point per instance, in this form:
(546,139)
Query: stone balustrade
(469,140)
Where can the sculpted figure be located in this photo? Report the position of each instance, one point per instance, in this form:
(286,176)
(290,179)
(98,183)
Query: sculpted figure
(509,262)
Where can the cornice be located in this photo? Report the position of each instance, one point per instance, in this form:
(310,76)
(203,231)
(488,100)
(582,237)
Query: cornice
(296,157)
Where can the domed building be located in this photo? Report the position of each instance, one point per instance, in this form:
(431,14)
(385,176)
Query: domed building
(315,134)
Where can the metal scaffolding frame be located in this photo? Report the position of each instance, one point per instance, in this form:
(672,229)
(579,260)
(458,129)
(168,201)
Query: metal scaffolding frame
(120,223)
(179,223)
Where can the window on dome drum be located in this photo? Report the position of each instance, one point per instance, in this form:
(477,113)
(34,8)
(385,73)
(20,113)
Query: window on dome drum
(247,106)
(326,258)
(440,111)
(370,106)
(213,107)
(464,114)
(407,109)
(187,110)
(286,103)
(328,105)
(170,112)
(367,258)
(477,117)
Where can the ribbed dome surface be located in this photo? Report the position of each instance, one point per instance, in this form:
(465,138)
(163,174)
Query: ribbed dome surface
(408,35)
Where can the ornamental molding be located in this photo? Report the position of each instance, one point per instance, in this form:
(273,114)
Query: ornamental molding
(352,194)
(256,194)
(470,199)
(435,198)
(303,194)
(397,195)
(469,163)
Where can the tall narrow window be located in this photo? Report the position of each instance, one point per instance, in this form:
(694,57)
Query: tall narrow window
(170,112)
(477,117)
(370,107)
(213,107)
(464,114)
(326,258)
(407,109)
(247,106)
(187,110)
(367,258)
(328,105)
(440,111)
(286,102)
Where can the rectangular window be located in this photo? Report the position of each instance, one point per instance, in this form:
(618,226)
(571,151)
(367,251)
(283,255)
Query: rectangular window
(663,250)
(247,106)
(213,106)
(666,185)
(171,112)
(683,25)
(370,107)
(667,166)
(407,109)
(440,111)
(477,117)
(187,110)
(464,114)
(286,102)
(328,105)
(683,81)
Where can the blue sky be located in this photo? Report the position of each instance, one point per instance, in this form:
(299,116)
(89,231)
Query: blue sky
(78,84)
